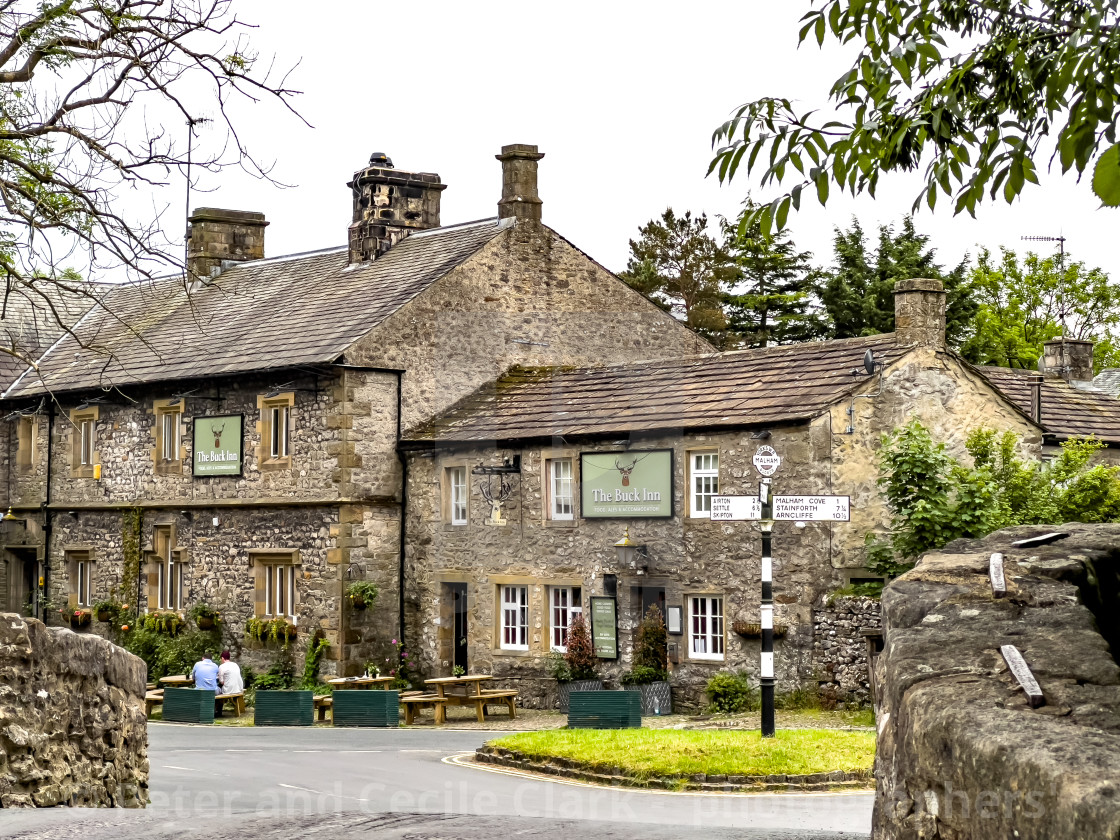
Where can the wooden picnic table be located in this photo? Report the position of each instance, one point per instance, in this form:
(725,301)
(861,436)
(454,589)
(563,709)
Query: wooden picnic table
(178,681)
(465,691)
(359,682)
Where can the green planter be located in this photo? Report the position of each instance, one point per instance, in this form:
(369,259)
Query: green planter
(188,705)
(284,708)
(605,710)
(366,708)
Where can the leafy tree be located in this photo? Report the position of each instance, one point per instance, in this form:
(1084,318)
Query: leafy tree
(933,498)
(677,264)
(97,98)
(1020,305)
(770,301)
(857,293)
(972,87)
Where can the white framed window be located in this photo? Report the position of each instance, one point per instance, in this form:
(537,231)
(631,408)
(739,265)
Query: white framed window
(705,627)
(515,618)
(560,489)
(169,435)
(280,590)
(83,578)
(565,603)
(457,489)
(704,481)
(279,419)
(171,584)
(86,429)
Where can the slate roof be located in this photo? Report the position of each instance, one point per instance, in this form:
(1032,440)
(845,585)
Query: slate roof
(35,316)
(260,315)
(1108,380)
(1066,411)
(789,383)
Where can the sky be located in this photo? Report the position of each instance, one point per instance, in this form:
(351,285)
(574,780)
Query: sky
(621,97)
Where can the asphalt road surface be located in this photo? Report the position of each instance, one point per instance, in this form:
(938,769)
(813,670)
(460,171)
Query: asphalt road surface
(231,784)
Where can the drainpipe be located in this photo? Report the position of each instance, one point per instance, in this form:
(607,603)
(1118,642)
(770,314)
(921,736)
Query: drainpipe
(404,511)
(46,508)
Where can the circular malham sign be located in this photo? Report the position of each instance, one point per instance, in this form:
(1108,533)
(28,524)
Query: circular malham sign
(766,460)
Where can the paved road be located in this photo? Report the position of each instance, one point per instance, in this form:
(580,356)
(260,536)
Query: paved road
(284,783)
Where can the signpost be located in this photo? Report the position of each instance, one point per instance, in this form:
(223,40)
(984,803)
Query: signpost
(784,508)
(765,509)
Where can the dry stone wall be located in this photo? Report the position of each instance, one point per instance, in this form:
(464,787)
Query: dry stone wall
(839,651)
(72,725)
(961,752)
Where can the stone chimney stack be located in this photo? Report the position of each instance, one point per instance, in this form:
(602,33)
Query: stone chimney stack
(1068,358)
(519,182)
(216,236)
(919,313)
(388,205)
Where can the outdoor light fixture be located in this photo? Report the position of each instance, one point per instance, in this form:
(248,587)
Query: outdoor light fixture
(631,555)
(11,517)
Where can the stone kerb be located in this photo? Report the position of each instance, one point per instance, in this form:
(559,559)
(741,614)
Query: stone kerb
(72,723)
(960,751)
(700,782)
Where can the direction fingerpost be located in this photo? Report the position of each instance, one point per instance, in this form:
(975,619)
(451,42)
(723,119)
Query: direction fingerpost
(766,612)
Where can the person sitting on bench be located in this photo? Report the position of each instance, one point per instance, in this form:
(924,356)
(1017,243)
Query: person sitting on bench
(229,680)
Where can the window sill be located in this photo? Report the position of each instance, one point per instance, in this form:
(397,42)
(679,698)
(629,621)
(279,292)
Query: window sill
(169,468)
(512,652)
(452,527)
(706,660)
(279,465)
(560,523)
(81,472)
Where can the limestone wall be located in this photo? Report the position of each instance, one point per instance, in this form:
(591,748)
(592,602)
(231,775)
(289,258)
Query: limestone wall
(528,297)
(688,556)
(839,651)
(933,387)
(72,723)
(961,753)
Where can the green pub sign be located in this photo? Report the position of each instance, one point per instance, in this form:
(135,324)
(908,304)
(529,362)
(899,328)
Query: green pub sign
(604,627)
(217,445)
(625,485)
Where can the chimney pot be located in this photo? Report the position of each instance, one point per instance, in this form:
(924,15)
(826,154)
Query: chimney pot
(519,182)
(218,237)
(919,312)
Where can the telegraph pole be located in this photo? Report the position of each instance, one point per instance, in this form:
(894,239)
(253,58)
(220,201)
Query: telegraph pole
(766,612)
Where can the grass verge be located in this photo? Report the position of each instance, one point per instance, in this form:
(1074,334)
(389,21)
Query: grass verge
(647,753)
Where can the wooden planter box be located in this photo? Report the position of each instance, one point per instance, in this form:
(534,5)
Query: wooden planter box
(605,710)
(284,708)
(366,708)
(188,705)
(565,689)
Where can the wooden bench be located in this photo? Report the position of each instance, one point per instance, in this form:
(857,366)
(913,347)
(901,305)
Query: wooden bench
(238,699)
(151,700)
(322,703)
(504,695)
(418,701)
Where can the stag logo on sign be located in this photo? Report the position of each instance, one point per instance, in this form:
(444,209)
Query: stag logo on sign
(217,430)
(625,469)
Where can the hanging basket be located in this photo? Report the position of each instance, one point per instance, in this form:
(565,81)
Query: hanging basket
(751,630)
(358,602)
(206,623)
(105,615)
(80,618)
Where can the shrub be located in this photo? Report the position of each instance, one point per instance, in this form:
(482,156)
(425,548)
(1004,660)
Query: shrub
(558,666)
(729,693)
(581,653)
(650,651)
(165,654)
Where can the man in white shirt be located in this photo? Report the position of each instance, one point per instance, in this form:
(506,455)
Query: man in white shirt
(229,679)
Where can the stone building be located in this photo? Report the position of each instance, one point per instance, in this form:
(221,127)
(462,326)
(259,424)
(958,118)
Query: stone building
(498,597)
(231,437)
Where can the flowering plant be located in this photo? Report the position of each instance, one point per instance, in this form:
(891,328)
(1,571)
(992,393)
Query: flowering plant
(398,666)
